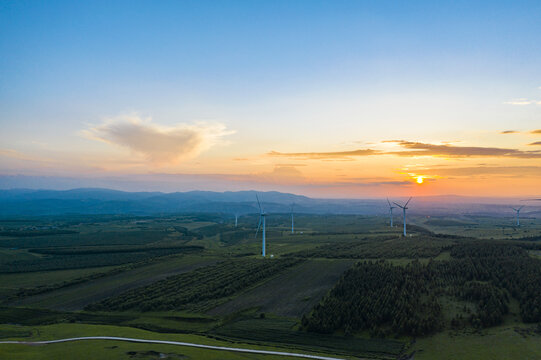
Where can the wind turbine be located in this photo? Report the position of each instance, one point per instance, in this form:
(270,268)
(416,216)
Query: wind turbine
(236,219)
(404,208)
(262,215)
(292,221)
(518,213)
(391,211)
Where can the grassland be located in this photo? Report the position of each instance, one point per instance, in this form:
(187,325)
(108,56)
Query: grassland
(11,283)
(80,295)
(265,312)
(498,343)
(119,350)
(280,331)
(482,226)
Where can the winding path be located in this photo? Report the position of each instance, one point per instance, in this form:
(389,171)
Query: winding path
(179,343)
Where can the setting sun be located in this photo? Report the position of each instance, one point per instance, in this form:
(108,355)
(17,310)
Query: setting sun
(419,179)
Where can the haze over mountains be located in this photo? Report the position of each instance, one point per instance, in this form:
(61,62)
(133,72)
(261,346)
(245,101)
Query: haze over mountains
(29,202)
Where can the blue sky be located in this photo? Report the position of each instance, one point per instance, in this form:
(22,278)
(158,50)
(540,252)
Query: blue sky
(290,76)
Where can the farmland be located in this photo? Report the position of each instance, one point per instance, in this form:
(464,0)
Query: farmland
(292,293)
(200,278)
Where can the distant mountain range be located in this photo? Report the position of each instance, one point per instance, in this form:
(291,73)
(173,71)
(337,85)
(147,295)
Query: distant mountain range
(26,202)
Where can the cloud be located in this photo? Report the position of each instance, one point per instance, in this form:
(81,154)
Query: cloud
(486,170)
(160,145)
(368,182)
(424,149)
(509,132)
(535,143)
(278,175)
(289,175)
(17,155)
(418,149)
(520,102)
(327,155)
(535,132)
(283,173)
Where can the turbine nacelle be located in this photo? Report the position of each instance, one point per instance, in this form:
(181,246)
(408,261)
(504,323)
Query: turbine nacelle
(405,207)
(518,213)
(390,206)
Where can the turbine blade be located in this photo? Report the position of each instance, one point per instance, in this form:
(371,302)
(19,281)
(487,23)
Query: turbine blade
(258,203)
(258,226)
(388,202)
(400,206)
(407,202)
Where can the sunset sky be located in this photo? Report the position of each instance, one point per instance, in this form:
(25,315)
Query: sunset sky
(321,98)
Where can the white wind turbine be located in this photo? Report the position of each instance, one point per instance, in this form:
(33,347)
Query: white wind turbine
(262,215)
(391,211)
(518,214)
(404,208)
(236,219)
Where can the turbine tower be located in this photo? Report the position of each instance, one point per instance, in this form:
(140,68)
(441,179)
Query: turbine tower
(236,219)
(292,221)
(262,215)
(404,208)
(390,211)
(518,213)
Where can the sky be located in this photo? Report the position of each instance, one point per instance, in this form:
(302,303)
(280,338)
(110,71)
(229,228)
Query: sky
(322,98)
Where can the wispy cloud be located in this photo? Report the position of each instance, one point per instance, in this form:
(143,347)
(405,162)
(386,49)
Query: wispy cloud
(327,155)
(509,132)
(419,149)
(278,175)
(160,145)
(523,101)
(536,132)
(17,155)
(535,143)
(370,182)
(520,102)
(424,149)
(486,170)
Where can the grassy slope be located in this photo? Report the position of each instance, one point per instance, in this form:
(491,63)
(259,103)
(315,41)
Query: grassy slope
(499,343)
(119,350)
(511,340)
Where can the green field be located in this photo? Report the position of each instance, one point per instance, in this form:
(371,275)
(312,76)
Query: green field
(78,296)
(95,349)
(482,226)
(499,343)
(458,284)
(292,293)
